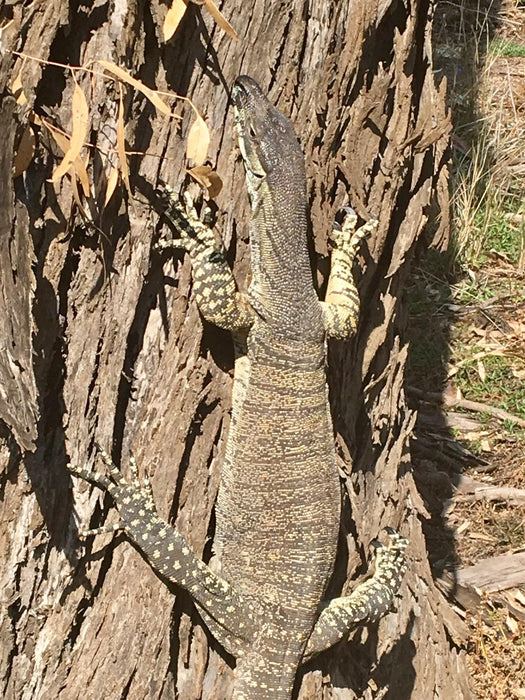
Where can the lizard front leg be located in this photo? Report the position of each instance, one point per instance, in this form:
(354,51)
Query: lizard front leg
(341,306)
(232,619)
(215,289)
(367,603)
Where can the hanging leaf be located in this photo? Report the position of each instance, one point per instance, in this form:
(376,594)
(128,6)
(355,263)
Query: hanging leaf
(198,141)
(208,178)
(121,147)
(25,152)
(63,143)
(121,144)
(173,18)
(18,90)
(152,95)
(80,113)
(220,19)
(111,185)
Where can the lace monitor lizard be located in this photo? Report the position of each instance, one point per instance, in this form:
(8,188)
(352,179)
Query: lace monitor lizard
(278,508)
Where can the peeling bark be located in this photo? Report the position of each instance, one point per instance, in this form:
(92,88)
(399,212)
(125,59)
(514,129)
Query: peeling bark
(102,339)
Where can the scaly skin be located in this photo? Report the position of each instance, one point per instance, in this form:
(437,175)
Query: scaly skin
(278,506)
(279,501)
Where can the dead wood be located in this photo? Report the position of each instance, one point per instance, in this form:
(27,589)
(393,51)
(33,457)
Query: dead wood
(489,580)
(452,401)
(460,421)
(480,407)
(471,490)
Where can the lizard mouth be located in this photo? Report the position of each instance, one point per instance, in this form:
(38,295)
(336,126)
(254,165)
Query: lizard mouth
(241,96)
(243,88)
(237,95)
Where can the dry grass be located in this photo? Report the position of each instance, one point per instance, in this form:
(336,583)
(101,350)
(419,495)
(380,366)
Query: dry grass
(497,655)
(488,182)
(480,49)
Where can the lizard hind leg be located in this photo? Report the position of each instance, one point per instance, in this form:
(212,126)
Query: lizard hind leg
(233,618)
(368,602)
(341,306)
(213,284)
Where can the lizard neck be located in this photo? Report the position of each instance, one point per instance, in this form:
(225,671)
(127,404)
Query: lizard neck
(281,289)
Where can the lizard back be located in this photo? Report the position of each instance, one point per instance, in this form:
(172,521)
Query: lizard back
(278,506)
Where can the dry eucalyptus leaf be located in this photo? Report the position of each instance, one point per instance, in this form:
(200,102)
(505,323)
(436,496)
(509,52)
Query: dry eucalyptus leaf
(482,372)
(220,19)
(520,597)
(518,327)
(18,90)
(173,18)
(208,178)
(511,624)
(111,185)
(25,152)
(80,113)
(198,141)
(121,144)
(152,95)
(63,142)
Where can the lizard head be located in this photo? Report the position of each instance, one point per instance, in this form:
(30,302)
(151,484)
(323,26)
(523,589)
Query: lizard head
(281,289)
(267,141)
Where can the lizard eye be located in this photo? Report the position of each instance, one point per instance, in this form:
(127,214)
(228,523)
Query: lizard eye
(252,131)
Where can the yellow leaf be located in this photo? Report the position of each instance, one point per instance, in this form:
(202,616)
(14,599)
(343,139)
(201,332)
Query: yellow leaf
(517,326)
(173,18)
(25,152)
(111,185)
(18,90)
(121,144)
(152,95)
(220,19)
(80,126)
(512,625)
(485,446)
(198,141)
(63,142)
(80,168)
(207,177)
(481,370)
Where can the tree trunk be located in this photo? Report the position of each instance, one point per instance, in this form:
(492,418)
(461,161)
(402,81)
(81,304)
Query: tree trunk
(102,340)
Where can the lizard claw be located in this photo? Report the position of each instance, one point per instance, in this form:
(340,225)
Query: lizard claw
(347,235)
(348,211)
(191,212)
(132,497)
(377,544)
(390,554)
(194,234)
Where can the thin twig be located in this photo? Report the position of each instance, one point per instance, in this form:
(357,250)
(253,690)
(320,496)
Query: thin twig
(467,404)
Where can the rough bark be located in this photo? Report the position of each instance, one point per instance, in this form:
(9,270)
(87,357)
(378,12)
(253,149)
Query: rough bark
(101,339)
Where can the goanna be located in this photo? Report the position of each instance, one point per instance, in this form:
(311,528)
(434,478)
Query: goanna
(278,508)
